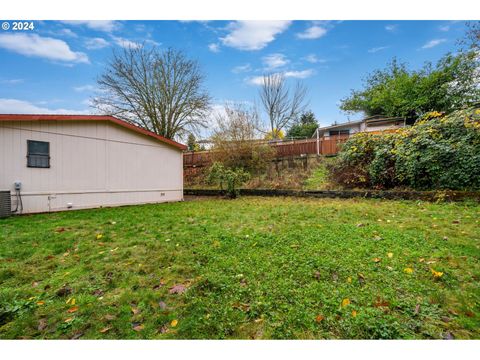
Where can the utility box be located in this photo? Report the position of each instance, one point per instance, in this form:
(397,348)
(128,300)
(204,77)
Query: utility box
(5,203)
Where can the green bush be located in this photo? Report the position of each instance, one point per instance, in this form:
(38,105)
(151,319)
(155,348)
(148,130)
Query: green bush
(438,152)
(231,178)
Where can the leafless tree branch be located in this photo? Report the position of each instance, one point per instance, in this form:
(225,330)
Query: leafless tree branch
(161,91)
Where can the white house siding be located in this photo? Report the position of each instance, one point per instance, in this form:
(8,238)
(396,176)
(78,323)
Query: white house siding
(92,164)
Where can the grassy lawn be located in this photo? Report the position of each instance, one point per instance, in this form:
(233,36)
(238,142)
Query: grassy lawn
(318,180)
(247,268)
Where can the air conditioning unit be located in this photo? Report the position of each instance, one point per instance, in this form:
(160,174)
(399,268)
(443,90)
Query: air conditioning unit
(5,204)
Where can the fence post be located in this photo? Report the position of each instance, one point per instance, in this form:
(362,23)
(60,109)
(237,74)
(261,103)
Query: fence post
(318,143)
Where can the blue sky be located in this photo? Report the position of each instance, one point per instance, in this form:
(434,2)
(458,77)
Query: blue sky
(53,68)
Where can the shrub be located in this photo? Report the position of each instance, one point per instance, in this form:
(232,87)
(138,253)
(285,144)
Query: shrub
(438,152)
(231,178)
(235,144)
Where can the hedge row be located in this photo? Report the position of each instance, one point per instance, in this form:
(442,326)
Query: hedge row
(438,152)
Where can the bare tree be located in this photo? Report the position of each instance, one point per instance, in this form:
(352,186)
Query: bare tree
(235,140)
(161,91)
(281,106)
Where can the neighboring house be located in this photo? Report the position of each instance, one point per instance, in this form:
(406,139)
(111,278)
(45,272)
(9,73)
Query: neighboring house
(84,161)
(375,123)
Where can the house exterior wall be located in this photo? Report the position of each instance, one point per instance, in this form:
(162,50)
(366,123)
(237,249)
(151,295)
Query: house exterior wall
(92,164)
(383,126)
(353,128)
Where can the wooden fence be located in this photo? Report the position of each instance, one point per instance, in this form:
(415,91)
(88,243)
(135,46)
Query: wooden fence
(329,146)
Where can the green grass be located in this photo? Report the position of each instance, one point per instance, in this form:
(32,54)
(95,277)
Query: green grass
(319,179)
(253,268)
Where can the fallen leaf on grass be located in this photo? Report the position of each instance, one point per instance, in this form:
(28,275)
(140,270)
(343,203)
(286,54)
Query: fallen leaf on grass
(390,255)
(376,260)
(98,292)
(408,270)
(319,318)
(381,303)
(73,309)
(241,306)
(163,329)
(67,320)
(345,302)
(99,236)
(448,336)
(138,327)
(105,329)
(361,279)
(162,305)
(40,303)
(177,289)
(436,274)
(349,280)
(453,312)
(354,313)
(60,230)
(417,309)
(174,323)
(109,317)
(70,301)
(135,310)
(35,284)
(77,335)
(42,324)
(158,286)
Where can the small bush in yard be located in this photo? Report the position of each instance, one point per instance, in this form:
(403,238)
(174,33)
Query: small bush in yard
(231,178)
(438,152)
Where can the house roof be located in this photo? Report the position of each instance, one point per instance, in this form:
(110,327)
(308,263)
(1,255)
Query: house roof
(53,117)
(340,125)
(369,120)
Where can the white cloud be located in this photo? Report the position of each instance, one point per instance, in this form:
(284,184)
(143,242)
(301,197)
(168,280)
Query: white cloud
(433,43)
(303,74)
(312,58)
(15,106)
(214,47)
(152,42)
(99,25)
(254,80)
(274,61)
(313,32)
(377,49)
(444,28)
(125,43)
(65,32)
(253,35)
(242,68)
(11,81)
(299,74)
(83,88)
(44,47)
(96,43)
(391,28)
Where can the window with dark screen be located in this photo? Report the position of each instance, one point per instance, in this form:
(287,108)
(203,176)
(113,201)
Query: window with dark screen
(38,154)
